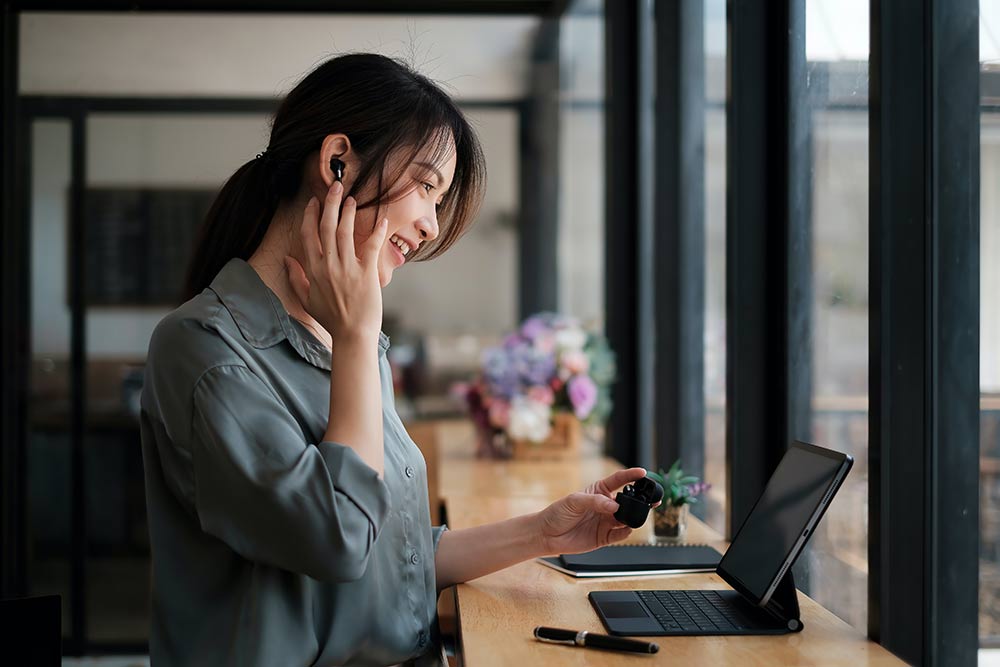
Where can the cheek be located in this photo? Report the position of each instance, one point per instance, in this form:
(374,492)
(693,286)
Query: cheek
(363,224)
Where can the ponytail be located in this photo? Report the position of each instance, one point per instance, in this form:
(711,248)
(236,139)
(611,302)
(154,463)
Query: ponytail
(234,225)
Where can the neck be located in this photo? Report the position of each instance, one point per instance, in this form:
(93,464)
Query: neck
(280,240)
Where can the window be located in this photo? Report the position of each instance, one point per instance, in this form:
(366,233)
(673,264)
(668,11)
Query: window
(715,263)
(834,570)
(989,345)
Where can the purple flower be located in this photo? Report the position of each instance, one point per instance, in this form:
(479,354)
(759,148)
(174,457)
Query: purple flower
(698,488)
(512,340)
(500,373)
(582,394)
(534,366)
(534,326)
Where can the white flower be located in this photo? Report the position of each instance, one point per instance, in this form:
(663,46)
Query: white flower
(529,420)
(572,339)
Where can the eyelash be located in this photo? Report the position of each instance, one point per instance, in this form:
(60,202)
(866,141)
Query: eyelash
(428,188)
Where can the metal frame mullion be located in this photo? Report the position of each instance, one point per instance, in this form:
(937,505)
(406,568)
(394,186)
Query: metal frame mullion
(78,383)
(16,311)
(679,235)
(924,330)
(765,307)
(538,238)
(621,304)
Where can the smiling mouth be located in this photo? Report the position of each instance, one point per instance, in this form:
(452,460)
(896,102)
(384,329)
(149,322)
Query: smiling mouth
(397,253)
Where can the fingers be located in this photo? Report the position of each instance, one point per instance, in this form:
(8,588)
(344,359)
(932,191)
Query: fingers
(297,279)
(374,243)
(618,534)
(583,502)
(345,230)
(620,479)
(328,222)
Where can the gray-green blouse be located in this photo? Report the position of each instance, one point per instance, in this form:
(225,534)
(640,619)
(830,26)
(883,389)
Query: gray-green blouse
(270,546)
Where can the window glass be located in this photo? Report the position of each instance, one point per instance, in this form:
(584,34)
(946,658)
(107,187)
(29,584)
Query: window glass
(989,339)
(834,570)
(715,263)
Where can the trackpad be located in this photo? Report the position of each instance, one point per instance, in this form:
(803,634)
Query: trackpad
(622,613)
(623,609)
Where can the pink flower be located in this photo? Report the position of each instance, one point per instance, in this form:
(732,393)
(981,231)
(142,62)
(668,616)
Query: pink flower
(500,414)
(459,390)
(546,342)
(542,394)
(582,394)
(575,361)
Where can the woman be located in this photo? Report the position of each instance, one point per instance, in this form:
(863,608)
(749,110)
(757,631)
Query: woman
(288,508)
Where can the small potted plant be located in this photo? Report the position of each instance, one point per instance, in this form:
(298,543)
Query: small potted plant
(679,491)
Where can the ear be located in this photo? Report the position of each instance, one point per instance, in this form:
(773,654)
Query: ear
(338,146)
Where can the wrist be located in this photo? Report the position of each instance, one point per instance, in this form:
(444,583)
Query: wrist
(540,545)
(356,339)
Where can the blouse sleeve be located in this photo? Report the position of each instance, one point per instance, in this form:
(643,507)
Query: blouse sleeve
(436,533)
(272,496)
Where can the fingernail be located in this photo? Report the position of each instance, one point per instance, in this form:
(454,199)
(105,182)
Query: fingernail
(312,201)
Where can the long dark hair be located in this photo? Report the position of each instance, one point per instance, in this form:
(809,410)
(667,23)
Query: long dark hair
(383,106)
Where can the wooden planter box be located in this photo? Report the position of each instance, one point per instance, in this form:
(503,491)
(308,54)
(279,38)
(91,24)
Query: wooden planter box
(563,442)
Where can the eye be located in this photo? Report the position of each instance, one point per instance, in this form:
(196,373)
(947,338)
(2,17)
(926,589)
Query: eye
(428,187)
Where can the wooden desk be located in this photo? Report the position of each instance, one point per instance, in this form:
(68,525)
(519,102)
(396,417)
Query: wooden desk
(496,613)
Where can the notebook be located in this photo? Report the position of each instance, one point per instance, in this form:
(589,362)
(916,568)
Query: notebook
(619,560)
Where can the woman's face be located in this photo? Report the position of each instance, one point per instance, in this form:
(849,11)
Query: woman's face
(413,212)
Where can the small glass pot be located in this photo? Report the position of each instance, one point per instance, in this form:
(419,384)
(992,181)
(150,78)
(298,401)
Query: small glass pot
(670,523)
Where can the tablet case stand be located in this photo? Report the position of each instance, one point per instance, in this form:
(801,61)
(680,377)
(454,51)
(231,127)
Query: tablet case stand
(784,603)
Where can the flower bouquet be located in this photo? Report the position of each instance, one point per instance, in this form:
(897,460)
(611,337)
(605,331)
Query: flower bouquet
(536,389)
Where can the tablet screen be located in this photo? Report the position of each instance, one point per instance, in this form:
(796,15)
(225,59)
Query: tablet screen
(780,517)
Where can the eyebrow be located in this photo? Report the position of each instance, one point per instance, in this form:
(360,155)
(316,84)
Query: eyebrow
(428,165)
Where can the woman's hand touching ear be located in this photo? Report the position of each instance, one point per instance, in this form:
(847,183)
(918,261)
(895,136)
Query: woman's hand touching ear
(338,287)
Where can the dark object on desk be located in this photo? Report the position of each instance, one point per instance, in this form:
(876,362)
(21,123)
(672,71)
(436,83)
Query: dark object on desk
(591,640)
(31,631)
(635,501)
(620,560)
(757,564)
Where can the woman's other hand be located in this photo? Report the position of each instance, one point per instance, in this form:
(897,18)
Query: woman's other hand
(585,521)
(338,286)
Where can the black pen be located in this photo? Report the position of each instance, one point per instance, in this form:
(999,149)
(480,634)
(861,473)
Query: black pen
(591,640)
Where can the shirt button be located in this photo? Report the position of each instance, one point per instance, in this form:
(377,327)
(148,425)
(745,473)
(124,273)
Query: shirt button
(409,471)
(414,558)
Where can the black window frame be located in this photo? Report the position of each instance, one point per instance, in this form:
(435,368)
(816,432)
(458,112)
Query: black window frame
(924,330)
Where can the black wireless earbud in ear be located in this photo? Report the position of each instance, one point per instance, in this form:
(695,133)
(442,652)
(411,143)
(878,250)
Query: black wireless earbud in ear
(337,167)
(636,500)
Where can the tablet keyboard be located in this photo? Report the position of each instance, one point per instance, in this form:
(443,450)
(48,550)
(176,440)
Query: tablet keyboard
(698,611)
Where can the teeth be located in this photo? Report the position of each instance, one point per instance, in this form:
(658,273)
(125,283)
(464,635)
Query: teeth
(403,247)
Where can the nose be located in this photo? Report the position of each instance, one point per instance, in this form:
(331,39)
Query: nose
(428,228)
